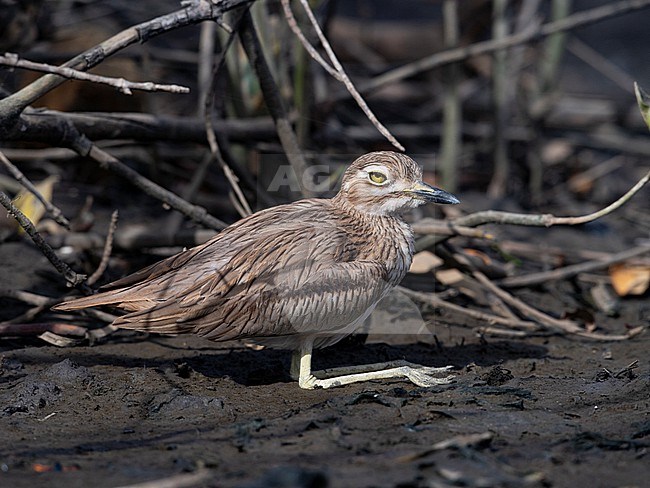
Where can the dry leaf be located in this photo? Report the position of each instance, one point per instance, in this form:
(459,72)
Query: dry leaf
(28,204)
(424,262)
(449,276)
(630,280)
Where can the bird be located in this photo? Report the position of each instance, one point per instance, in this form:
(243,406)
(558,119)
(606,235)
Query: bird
(297,276)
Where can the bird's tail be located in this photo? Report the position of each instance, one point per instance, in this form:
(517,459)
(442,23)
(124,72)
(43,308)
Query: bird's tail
(117,298)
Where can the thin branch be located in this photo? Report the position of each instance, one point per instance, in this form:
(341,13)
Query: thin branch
(600,63)
(545,220)
(643,100)
(106,253)
(106,160)
(208,108)
(432,299)
(27,297)
(574,269)
(38,304)
(71,277)
(293,25)
(13,60)
(532,33)
(40,328)
(342,75)
(207,44)
(601,213)
(445,228)
(557,325)
(51,210)
(67,135)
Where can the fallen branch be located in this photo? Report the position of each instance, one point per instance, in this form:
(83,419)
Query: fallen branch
(435,301)
(124,86)
(41,126)
(40,328)
(574,269)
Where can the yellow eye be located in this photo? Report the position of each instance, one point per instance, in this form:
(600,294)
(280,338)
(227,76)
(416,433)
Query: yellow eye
(377,177)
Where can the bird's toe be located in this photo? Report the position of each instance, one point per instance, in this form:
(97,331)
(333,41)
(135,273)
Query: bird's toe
(424,379)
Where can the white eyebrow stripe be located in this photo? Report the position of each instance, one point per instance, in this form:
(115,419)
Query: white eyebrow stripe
(376,167)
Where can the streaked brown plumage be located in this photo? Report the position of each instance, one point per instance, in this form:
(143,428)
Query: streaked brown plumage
(299,276)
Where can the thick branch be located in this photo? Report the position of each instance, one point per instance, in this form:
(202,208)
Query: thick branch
(45,126)
(196,213)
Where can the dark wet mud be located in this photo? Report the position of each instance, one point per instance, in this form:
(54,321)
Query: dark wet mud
(539,412)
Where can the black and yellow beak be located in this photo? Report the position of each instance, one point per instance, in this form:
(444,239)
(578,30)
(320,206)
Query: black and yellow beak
(432,194)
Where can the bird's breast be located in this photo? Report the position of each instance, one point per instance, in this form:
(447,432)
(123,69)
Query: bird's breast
(390,242)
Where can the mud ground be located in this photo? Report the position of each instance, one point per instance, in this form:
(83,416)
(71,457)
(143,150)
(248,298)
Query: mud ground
(534,412)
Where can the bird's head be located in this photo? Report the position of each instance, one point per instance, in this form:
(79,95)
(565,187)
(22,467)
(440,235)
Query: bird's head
(385,183)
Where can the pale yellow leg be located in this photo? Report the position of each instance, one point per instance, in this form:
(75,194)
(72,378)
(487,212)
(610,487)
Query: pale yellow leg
(417,374)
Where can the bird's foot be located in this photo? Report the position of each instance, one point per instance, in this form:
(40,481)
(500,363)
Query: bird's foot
(419,375)
(423,375)
(309,382)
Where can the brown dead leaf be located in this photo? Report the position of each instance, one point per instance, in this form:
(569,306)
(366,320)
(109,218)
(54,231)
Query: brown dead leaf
(629,280)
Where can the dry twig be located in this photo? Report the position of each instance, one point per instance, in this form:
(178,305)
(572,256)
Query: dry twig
(572,270)
(40,328)
(52,211)
(337,72)
(106,254)
(534,220)
(124,86)
(71,277)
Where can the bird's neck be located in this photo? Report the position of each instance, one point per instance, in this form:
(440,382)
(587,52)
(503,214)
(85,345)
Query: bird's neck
(386,238)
